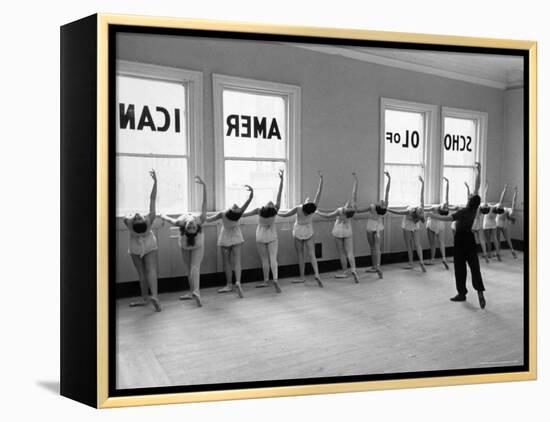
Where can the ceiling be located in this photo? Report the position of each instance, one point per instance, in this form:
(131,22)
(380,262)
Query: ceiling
(497,71)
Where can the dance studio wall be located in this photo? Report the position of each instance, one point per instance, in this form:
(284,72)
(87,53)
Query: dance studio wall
(340,124)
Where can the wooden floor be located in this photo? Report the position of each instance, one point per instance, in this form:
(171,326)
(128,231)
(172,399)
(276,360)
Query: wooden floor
(402,323)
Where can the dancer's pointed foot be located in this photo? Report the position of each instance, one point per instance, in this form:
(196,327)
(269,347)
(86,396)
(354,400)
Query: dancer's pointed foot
(486,258)
(277,287)
(344,274)
(380,273)
(370,270)
(318,280)
(423,267)
(197,298)
(409,266)
(187,296)
(514,254)
(458,298)
(355,277)
(239,290)
(260,285)
(226,289)
(499,258)
(141,302)
(445,264)
(156,304)
(429,262)
(299,280)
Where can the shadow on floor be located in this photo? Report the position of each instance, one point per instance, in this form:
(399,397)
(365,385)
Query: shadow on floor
(51,386)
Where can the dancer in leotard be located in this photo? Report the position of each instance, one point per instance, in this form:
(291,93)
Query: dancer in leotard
(412,217)
(144,249)
(490,212)
(375,227)
(191,243)
(303,233)
(266,236)
(436,228)
(343,232)
(505,216)
(230,241)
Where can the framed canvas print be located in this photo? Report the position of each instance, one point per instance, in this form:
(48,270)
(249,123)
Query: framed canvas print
(259,211)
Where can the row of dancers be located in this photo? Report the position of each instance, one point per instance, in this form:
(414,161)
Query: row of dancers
(143,247)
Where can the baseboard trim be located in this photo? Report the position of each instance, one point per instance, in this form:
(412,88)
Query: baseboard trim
(175,284)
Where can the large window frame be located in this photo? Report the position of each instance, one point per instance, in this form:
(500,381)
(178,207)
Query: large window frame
(292,96)
(481,118)
(431,119)
(193,83)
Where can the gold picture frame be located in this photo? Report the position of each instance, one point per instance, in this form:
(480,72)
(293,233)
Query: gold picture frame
(97,33)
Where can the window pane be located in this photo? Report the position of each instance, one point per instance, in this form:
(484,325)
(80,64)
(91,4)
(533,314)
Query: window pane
(254,125)
(457,191)
(262,175)
(133,184)
(405,186)
(459,141)
(151,116)
(404,137)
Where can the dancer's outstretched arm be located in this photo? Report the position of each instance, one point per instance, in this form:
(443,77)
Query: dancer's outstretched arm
(354,190)
(398,212)
(280,191)
(387,195)
(288,213)
(319,189)
(329,214)
(503,193)
(153,197)
(255,211)
(477,182)
(202,217)
(249,200)
(421,191)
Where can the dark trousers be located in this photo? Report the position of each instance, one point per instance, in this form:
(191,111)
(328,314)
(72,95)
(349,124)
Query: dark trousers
(465,251)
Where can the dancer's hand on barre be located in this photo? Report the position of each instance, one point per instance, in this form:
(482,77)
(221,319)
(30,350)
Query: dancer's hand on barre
(199,180)
(281,173)
(153,175)
(387,174)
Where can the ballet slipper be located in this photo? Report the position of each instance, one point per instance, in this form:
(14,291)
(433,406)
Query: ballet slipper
(156,304)
(197,298)
(423,267)
(371,270)
(355,277)
(499,258)
(342,275)
(380,273)
(430,262)
(239,290)
(482,301)
(187,296)
(486,258)
(297,281)
(408,266)
(514,254)
(277,287)
(318,280)
(141,302)
(445,264)
(260,285)
(226,289)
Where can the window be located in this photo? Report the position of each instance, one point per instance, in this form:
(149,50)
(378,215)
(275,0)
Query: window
(462,145)
(157,127)
(407,130)
(257,133)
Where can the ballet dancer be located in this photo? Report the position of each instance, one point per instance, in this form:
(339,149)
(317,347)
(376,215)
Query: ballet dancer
(436,228)
(266,236)
(504,217)
(343,232)
(477,227)
(144,250)
(465,248)
(412,217)
(490,212)
(191,243)
(303,233)
(230,241)
(375,227)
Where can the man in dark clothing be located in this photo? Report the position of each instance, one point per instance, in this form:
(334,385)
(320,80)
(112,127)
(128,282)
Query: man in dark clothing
(465,248)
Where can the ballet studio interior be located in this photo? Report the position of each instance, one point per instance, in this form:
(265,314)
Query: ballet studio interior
(285,210)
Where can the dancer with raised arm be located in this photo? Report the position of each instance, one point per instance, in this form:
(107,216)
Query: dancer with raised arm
(144,249)
(343,232)
(412,217)
(266,236)
(436,228)
(505,216)
(303,233)
(191,243)
(490,212)
(230,241)
(375,227)
(465,248)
